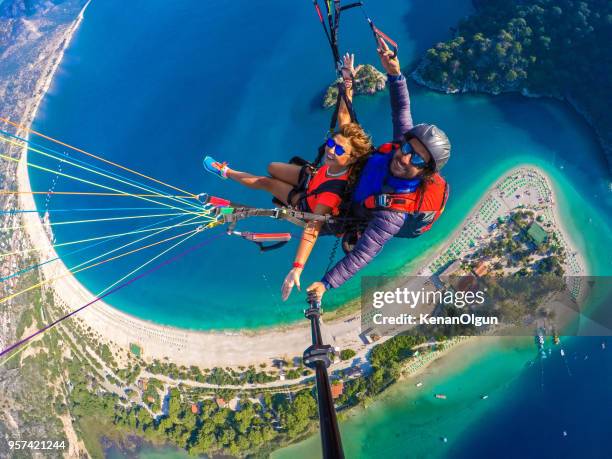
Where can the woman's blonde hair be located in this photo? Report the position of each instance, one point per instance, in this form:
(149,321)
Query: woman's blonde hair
(360,141)
(361,144)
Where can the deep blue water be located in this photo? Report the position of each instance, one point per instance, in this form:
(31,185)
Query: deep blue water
(551,396)
(155,85)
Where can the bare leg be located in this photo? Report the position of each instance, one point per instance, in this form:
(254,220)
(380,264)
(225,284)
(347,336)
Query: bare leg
(288,173)
(276,187)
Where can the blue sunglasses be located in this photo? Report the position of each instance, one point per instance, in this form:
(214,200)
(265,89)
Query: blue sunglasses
(338,149)
(415,159)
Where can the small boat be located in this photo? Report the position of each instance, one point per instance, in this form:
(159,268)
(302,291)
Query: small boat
(539,340)
(441,396)
(565,433)
(419,384)
(603,345)
(562,353)
(444,439)
(484,397)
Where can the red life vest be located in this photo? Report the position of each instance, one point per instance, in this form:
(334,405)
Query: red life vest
(426,202)
(323,189)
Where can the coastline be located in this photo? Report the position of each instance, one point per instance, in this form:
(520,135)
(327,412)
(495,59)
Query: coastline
(48,56)
(558,221)
(473,88)
(206,349)
(418,383)
(218,348)
(183,346)
(412,393)
(44,84)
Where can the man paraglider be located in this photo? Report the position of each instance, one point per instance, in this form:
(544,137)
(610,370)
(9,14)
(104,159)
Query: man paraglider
(400,191)
(395,190)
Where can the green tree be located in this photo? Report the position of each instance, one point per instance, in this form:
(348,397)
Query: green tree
(347,354)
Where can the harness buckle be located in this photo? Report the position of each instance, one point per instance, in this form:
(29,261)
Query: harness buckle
(279,213)
(383,200)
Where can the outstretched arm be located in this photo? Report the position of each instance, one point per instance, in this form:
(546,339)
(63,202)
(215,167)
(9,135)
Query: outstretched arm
(398,90)
(400,106)
(379,231)
(309,238)
(348,71)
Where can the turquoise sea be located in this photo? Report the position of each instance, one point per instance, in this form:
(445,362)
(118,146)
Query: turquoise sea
(155,85)
(157,94)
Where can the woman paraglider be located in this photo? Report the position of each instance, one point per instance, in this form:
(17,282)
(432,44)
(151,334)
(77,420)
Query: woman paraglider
(400,192)
(395,190)
(320,191)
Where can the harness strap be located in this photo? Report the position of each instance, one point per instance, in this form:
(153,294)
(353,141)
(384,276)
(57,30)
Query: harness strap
(327,32)
(445,199)
(335,186)
(379,34)
(349,106)
(331,20)
(278,213)
(390,200)
(351,5)
(331,33)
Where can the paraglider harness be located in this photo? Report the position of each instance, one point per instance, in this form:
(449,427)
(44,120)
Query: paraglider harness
(346,228)
(301,190)
(230,213)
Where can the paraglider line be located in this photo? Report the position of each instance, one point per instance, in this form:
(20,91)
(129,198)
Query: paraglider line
(115,289)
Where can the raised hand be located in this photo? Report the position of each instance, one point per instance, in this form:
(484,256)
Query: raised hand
(348,66)
(390,64)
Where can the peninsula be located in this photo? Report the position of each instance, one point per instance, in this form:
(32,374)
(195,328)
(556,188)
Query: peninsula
(537,48)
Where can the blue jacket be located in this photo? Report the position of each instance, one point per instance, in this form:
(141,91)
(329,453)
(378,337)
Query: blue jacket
(383,224)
